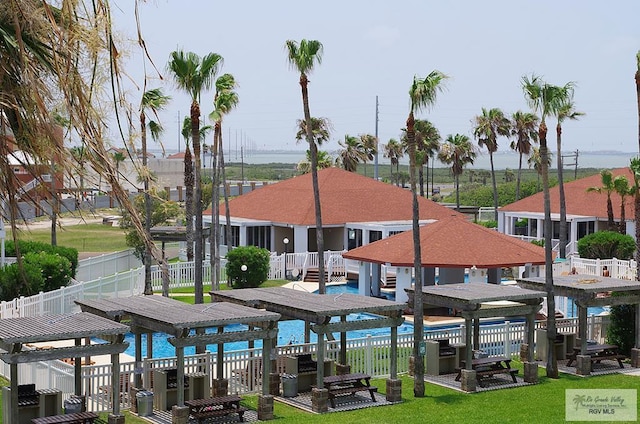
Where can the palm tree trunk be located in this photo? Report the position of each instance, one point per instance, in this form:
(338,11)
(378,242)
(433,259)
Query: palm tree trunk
(623,217)
(519,176)
(636,216)
(214,237)
(316,187)
(188,203)
(457,177)
(495,188)
(563,204)
(418,309)
(611,224)
(197,203)
(227,213)
(421,179)
(638,97)
(552,365)
(148,289)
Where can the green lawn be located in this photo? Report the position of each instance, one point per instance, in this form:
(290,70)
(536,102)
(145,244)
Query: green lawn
(541,403)
(84,237)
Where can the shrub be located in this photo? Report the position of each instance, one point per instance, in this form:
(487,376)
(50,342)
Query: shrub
(257,266)
(606,245)
(13,285)
(492,223)
(55,269)
(35,247)
(622,329)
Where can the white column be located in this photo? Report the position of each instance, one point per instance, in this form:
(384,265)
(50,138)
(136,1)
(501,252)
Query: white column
(403,281)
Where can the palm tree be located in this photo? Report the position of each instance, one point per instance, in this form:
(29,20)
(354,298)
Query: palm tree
(152,101)
(188,187)
(606,177)
(542,98)
(303,57)
(427,144)
(566,110)
(622,187)
(487,127)
(637,77)
(535,162)
(118,157)
(393,151)
(320,130)
(352,153)
(324,161)
(457,151)
(224,101)
(524,128)
(370,148)
(422,94)
(193,74)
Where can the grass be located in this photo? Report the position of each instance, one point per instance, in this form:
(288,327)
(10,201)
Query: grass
(542,403)
(84,237)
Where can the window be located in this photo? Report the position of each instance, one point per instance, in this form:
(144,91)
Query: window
(259,236)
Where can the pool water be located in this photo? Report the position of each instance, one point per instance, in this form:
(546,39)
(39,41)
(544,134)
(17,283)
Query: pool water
(289,332)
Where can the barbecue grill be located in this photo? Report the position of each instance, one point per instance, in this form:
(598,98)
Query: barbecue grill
(28,395)
(445,349)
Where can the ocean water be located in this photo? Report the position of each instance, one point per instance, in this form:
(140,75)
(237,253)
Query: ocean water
(502,160)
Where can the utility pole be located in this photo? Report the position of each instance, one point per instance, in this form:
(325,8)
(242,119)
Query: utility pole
(573,156)
(375,158)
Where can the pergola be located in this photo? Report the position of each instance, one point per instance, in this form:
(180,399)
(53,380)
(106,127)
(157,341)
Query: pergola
(482,300)
(186,325)
(588,291)
(318,309)
(15,333)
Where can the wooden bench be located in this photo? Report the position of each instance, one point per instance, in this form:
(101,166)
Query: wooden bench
(598,352)
(219,406)
(348,384)
(74,418)
(486,367)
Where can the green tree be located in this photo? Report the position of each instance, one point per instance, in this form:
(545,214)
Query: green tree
(622,187)
(487,128)
(224,101)
(524,129)
(634,166)
(606,245)
(565,110)
(606,177)
(303,57)
(622,327)
(637,78)
(193,74)
(457,151)
(427,144)
(248,266)
(152,102)
(352,153)
(542,98)
(422,94)
(324,161)
(370,147)
(393,151)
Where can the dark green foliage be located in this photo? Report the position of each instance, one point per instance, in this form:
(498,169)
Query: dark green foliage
(489,224)
(257,262)
(606,245)
(622,328)
(55,269)
(538,242)
(12,285)
(477,194)
(36,247)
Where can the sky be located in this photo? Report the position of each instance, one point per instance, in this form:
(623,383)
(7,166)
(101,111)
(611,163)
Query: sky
(375,48)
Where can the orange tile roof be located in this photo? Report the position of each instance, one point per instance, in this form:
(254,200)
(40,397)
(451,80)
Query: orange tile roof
(453,242)
(344,196)
(578,200)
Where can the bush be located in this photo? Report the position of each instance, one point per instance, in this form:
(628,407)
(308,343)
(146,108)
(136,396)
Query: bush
(55,269)
(606,245)
(622,329)
(35,247)
(257,266)
(492,223)
(13,285)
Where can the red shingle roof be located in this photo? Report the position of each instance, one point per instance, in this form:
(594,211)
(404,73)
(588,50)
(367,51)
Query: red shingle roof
(452,243)
(345,197)
(578,200)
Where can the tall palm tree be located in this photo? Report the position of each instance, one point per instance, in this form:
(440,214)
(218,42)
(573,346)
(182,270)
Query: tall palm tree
(427,145)
(524,129)
(634,166)
(188,186)
(422,94)
(457,151)
(152,102)
(637,78)
(542,98)
(487,127)
(193,74)
(622,187)
(608,187)
(393,151)
(352,153)
(224,101)
(535,162)
(303,57)
(370,148)
(565,110)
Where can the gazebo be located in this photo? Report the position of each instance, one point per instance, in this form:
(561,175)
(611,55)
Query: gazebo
(317,310)
(17,333)
(186,325)
(588,291)
(482,300)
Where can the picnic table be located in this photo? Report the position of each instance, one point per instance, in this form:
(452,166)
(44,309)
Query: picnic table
(218,406)
(486,367)
(348,384)
(73,418)
(598,352)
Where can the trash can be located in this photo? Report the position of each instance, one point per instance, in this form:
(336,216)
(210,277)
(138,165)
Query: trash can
(144,399)
(73,405)
(289,385)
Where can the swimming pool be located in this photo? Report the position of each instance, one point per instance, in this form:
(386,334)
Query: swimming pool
(289,332)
